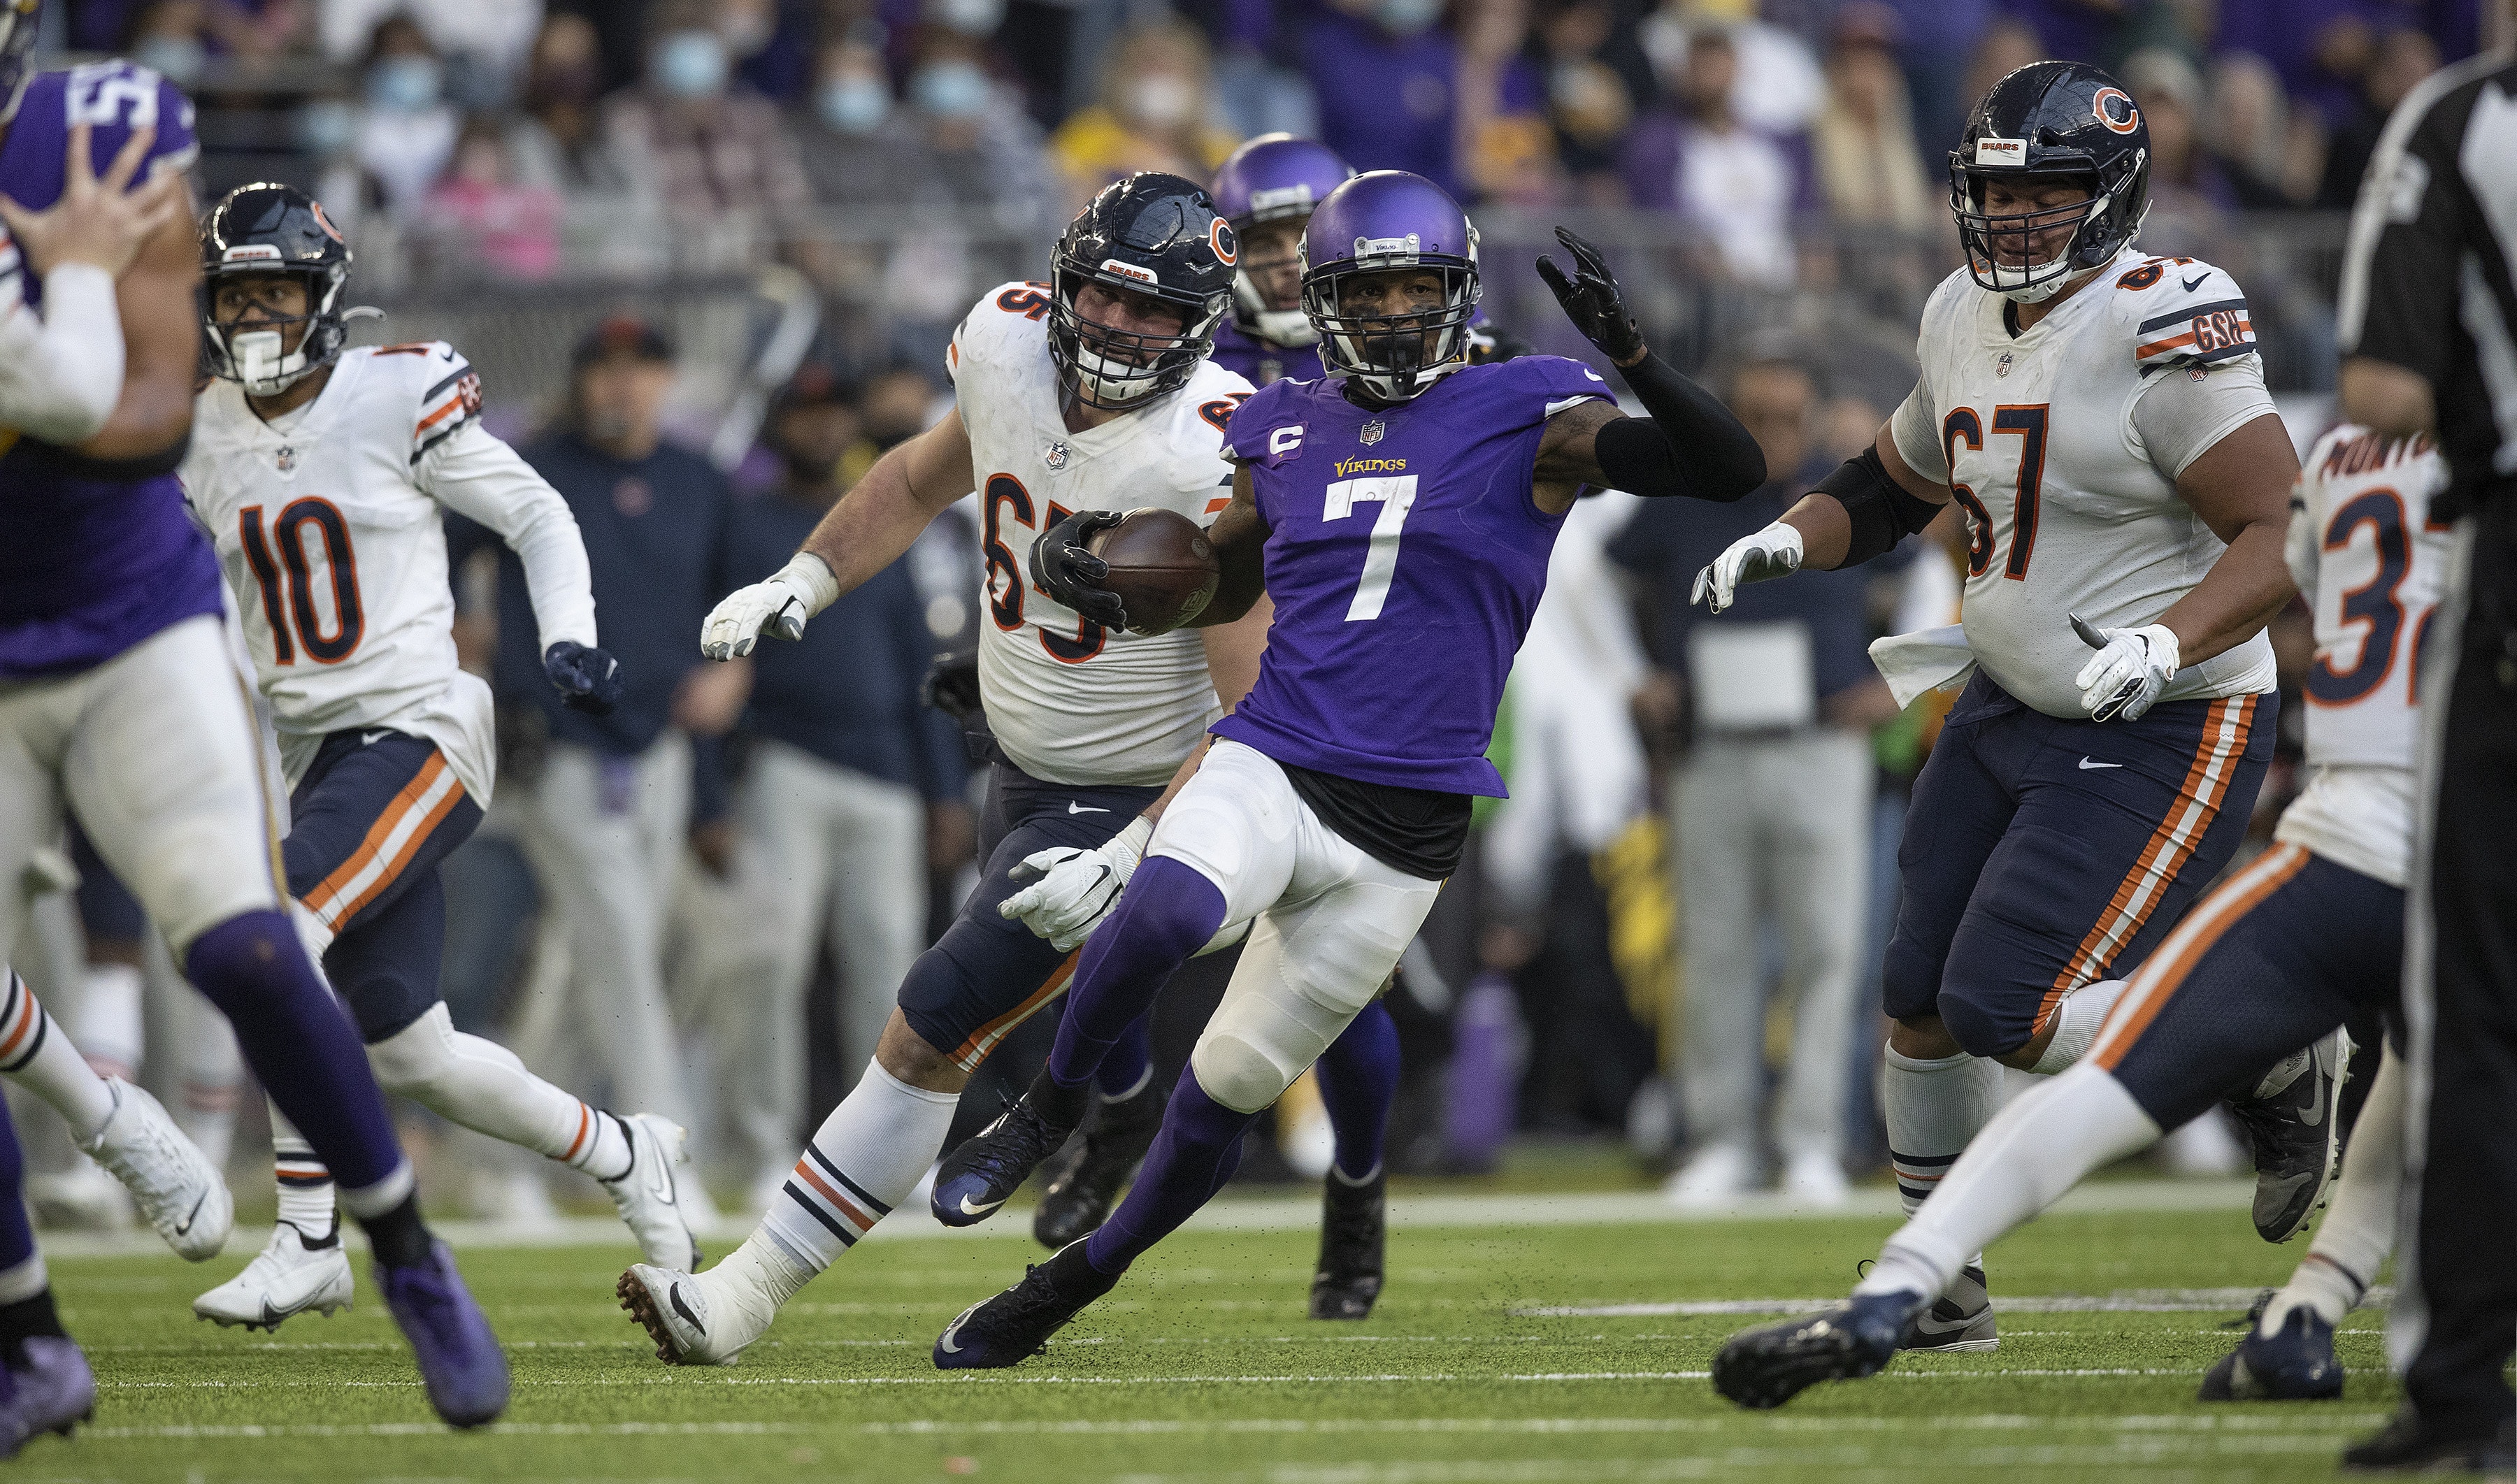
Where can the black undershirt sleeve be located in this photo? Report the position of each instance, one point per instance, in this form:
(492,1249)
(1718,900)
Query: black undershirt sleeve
(1689,446)
(1882,512)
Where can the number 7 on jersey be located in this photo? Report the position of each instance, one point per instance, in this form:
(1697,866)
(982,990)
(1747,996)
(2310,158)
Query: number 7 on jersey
(1397,496)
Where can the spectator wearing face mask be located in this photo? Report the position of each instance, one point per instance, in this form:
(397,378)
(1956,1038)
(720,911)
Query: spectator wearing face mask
(486,41)
(1155,86)
(847,770)
(723,161)
(611,222)
(407,130)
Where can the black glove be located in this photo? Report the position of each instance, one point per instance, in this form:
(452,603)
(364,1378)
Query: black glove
(952,685)
(586,679)
(1591,301)
(1067,572)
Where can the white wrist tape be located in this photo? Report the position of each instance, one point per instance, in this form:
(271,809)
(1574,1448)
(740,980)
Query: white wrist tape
(812,576)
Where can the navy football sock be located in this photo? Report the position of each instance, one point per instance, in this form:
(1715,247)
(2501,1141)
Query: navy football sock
(398,1237)
(1195,1154)
(300,1043)
(1124,1066)
(16,1229)
(1168,913)
(1358,1077)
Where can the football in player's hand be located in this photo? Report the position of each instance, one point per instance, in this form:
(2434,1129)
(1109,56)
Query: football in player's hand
(1162,567)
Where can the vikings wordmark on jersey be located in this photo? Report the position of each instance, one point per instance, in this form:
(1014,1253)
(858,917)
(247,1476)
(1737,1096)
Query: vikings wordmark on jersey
(1067,698)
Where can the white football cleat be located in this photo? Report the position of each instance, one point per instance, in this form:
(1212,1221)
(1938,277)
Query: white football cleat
(1717,1175)
(82,1198)
(696,1319)
(653,1202)
(286,1277)
(173,1182)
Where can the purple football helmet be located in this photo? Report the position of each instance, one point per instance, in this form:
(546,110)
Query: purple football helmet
(1274,178)
(18,20)
(1382,220)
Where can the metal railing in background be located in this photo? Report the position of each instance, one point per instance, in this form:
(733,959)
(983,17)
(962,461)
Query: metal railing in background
(873,287)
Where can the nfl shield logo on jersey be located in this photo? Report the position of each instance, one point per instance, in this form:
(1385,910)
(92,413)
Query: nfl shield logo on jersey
(286,460)
(2001,368)
(1056,455)
(1370,433)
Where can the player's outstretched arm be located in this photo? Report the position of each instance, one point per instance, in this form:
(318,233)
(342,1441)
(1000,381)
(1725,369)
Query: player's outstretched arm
(1689,446)
(1870,502)
(1239,537)
(62,373)
(865,531)
(476,475)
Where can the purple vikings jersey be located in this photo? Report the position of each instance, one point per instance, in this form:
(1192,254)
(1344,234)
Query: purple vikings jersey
(90,563)
(1405,557)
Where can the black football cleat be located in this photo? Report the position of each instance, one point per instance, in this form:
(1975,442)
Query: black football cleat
(2296,1363)
(1355,1221)
(1767,1365)
(1960,1321)
(2293,1120)
(1082,1188)
(992,1164)
(2407,1444)
(1015,1325)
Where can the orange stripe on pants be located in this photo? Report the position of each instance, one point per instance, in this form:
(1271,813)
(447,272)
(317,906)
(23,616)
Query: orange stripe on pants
(2162,977)
(324,898)
(2225,729)
(972,1051)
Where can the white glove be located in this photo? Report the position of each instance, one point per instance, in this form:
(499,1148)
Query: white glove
(2302,547)
(777,607)
(1774,552)
(1075,888)
(2131,666)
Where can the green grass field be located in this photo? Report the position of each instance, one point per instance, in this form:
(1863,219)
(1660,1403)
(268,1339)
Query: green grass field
(1201,1366)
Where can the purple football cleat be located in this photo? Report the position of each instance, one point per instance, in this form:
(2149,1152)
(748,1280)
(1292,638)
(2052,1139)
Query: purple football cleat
(459,1357)
(48,1388)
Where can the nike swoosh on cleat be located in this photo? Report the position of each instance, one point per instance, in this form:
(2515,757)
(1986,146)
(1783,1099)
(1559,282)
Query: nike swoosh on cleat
(673,1294)
(2088,763)
(969,1210)
(189,1216)
(1073,807)
(944,1342)
(663,1183)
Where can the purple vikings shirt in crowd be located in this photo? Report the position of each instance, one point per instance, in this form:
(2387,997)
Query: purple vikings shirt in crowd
(1405,557)
(93,559)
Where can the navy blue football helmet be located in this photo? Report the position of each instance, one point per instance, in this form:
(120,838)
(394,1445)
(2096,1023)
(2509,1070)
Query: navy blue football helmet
(272,228)
(2051,121)
(1379,220)
(1151,234)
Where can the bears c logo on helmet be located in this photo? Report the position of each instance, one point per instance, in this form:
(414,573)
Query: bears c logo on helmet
(2114,109)
(1226,243)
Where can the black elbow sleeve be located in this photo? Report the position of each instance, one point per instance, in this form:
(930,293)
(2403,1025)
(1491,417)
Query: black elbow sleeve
(1708,454)
(1882,512)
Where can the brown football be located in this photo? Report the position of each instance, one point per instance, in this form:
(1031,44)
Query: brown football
(1162,567)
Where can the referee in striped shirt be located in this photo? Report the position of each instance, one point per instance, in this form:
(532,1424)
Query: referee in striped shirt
(2429,340)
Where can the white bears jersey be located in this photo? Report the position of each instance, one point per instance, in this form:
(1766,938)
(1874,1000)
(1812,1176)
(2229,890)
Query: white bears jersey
(2067,510)
(2365,551)
(1070,702)
(328,523)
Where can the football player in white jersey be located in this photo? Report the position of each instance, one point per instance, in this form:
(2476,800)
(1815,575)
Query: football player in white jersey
(1090,393)
(2267,965)
(2102,420)
(321,476)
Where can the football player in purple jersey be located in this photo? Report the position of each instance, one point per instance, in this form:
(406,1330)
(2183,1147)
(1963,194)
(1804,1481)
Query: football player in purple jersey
(1399,513)
(120,698)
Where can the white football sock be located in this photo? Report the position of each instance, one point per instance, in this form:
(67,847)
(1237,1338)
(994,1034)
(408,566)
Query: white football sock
(305,1185)
(865,1158)
(1932,1108)
(2025,1158)
(36,1054)
(481,1084)
(110,1033)
(2359,1227)
(2077,1020)
(213,1076)
(24,1281)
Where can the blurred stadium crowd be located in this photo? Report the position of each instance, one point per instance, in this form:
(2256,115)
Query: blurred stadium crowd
(705,256)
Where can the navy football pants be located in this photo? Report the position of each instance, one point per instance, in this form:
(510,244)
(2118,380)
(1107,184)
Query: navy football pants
(2042,853)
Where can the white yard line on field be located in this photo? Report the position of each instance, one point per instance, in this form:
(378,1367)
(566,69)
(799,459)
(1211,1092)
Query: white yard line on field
(1421,1212)
(2122,1301)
